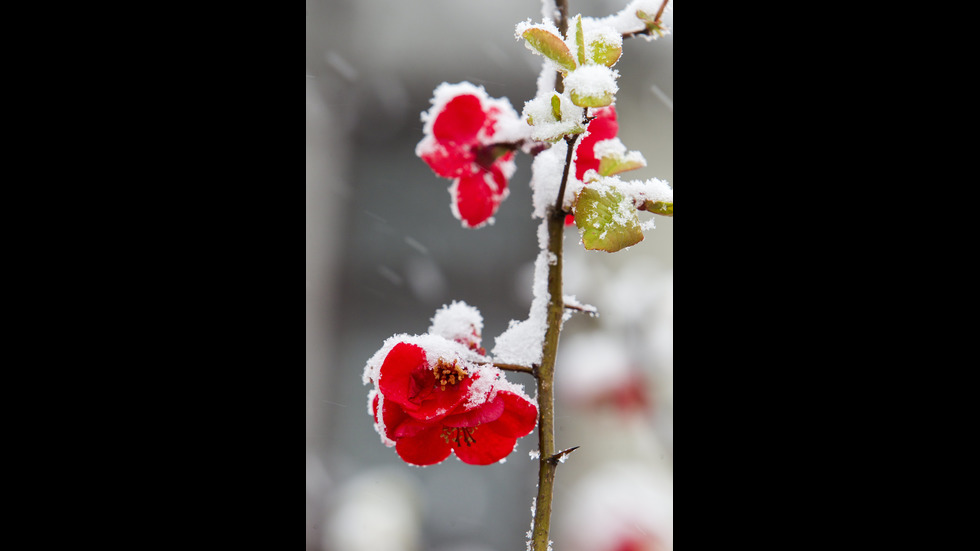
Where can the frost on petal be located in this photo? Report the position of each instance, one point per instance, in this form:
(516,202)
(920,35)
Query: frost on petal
(462,122)
(459,322)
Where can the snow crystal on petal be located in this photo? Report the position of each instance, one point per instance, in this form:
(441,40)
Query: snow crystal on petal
(457,321)
(435,346)
(483,387)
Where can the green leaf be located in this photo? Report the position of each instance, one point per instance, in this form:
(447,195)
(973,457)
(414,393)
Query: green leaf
(653,26)
(663,208)
(611,165)
(580,40)
(550,46)
(582,100)
(556,107)
(604,53)
(607,220)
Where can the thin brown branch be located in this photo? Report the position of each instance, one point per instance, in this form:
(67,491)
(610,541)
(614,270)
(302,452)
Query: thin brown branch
(560,203)
(541,527)
(533,369)
(656,19)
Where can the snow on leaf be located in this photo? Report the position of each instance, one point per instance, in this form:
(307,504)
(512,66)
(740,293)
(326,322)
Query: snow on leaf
(603,52)
(550,45)
(606,219)
(611,165)
(552,117)
(592,85)
(664,208)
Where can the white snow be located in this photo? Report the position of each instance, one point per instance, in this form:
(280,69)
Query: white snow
(546,171)
(653,189)
(546,128)
(596,32)
(592,81)
(548,26)
(508,127)
(625,21)
(457,322)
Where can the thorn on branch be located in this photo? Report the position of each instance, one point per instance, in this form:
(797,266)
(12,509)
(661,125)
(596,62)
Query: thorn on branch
(561,456)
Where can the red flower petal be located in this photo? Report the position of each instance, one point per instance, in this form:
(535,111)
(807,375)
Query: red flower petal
(476,200)
(403,373)
(448,162)
(485,413)
(426,448)
(460,120)
(393,416)
(440,402)
(407,380)
(603,127)
(487,446)
(518,419)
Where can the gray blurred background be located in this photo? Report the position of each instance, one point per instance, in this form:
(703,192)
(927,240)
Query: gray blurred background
(383,253)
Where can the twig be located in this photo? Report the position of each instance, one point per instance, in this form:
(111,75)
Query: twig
(646,31)
(541,528)
(533,369)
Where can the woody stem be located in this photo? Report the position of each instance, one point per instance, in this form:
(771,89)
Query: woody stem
(545,373)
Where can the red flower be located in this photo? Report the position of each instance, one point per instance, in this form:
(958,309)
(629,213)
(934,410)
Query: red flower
(429,411)
(462,141)
(603,127)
